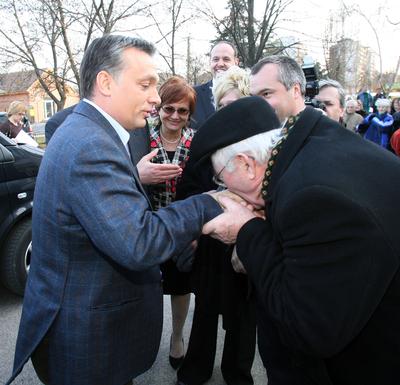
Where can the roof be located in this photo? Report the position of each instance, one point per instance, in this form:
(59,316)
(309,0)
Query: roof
(15,82)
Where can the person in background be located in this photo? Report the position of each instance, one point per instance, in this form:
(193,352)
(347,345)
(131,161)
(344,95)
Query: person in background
(331,93)
(395,142)
(359,109)
(13,125)
(378,127)
(17,126)
(395,107)
(93,307)
(222,56)
(324,262)
(395,111)
(366,99)
(55,121)
(230,86)
(219,284)
(172,137)
(395,139)
(378,95)
(351,119)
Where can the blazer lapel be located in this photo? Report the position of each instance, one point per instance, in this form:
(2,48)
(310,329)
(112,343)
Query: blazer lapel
(139,143)
(91,112)
(295,141)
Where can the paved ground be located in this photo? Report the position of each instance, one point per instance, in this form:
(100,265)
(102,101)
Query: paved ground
(160,374)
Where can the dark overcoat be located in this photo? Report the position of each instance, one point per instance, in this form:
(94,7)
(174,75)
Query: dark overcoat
(204,105)
(325,263)
(94,285)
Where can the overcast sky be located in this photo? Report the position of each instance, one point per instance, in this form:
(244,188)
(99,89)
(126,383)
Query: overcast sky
(308,20)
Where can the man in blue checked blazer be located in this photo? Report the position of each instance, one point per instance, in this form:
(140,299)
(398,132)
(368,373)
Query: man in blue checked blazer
(222,56)
(92,312)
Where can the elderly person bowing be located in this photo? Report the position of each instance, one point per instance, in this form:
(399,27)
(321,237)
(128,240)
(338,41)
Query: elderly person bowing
(219,286)
(324,263)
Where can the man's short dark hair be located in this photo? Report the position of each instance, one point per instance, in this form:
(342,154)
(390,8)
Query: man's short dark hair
(235,53)
(289,72)
(335,84)
(105,54)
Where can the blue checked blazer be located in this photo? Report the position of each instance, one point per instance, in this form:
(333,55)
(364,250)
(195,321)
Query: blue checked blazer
(94,283)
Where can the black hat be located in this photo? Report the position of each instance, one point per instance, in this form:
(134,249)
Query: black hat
(237,121)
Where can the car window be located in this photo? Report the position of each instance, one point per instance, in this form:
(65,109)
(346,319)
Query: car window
(3,117)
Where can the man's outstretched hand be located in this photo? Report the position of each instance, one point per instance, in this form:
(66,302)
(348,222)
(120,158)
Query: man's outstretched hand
(153,173)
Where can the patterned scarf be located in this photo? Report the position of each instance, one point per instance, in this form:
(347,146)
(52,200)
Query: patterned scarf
(275,151)
(164,193)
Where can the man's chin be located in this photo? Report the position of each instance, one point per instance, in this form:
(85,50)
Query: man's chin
(139,123)
(258,206)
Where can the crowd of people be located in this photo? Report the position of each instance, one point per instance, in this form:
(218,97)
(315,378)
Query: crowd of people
(276,215)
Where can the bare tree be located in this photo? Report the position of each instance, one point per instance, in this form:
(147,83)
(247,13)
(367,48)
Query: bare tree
(50,36)
(196,65)
(386,87)
(167,28)
(254,37)
(40,31)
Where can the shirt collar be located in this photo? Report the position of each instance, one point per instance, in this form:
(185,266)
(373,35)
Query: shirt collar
(122,133)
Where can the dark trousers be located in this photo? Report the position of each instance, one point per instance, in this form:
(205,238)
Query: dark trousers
(239,344)
(39,361)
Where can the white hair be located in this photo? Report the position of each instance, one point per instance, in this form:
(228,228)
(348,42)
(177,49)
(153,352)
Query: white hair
(382,102)
(258,146)
(351,102)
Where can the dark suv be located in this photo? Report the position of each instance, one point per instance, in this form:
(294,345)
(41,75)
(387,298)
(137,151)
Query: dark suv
(19,165)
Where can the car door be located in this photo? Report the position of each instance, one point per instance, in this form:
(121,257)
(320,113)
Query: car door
(5,158)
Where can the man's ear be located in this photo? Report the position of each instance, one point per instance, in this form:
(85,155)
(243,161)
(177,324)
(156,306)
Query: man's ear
(297,91)
(248,163)
(237,61)
(104,81)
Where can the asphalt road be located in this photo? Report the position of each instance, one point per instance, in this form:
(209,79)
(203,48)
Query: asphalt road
(160,374)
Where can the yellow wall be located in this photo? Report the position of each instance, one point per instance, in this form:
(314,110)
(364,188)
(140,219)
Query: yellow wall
(37,98)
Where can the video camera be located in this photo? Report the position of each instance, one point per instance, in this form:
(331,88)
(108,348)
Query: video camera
(312,87)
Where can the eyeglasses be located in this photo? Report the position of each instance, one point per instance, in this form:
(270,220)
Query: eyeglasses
(171,110)
(217,177)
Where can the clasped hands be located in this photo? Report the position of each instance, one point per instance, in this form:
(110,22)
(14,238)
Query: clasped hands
(225,227)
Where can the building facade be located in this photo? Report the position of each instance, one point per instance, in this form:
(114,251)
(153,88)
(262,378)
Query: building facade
(351,64)
(25,87)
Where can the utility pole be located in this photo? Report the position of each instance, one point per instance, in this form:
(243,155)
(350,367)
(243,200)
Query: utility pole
(188,59)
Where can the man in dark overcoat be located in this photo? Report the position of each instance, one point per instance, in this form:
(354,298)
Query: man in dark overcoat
(325,260)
